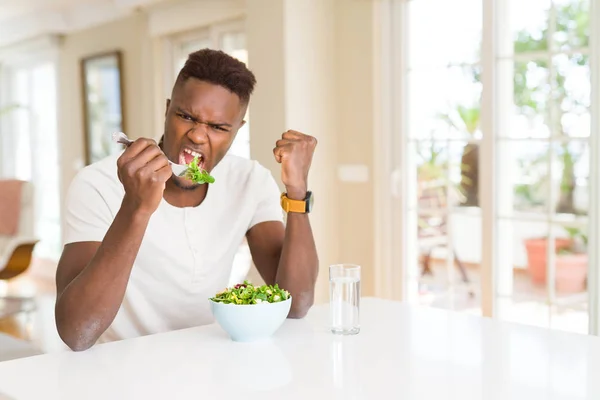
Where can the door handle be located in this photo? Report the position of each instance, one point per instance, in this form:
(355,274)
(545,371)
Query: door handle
(396,183)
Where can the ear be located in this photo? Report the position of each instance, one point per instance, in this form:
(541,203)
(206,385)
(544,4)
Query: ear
(168,103)
(242,124)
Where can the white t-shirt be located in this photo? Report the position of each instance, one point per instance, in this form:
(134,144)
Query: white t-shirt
(187,253)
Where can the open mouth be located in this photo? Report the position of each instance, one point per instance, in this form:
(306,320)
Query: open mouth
(186,156)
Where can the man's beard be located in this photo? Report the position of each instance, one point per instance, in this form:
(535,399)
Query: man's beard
(181,186)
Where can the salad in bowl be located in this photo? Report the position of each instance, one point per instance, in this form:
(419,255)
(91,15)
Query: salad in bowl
(247,293)
(248,313)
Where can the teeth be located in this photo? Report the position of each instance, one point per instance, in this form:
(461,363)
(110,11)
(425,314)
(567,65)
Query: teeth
(193,153)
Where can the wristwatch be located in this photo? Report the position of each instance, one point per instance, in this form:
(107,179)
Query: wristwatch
(297,206)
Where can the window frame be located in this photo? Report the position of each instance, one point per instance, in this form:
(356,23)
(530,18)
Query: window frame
(26,56)
(212,33)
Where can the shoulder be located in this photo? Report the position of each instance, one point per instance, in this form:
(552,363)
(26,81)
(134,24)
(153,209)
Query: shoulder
(98,178)
(237,164)
(242,178)
(239,170)
(103,169)
(92,201)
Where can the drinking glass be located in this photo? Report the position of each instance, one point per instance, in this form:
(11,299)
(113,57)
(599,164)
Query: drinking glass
(344,298)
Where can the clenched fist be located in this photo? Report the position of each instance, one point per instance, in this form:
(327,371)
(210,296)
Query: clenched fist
(294,151)
(143,169)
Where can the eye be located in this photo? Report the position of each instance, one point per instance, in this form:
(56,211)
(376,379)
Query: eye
(218,128)
(184,116)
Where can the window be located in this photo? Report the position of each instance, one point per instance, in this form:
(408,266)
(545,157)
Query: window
(30,145)
(544,201)
(494,186)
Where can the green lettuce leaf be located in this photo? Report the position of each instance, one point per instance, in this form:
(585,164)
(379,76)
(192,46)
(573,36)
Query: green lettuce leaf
(197,175)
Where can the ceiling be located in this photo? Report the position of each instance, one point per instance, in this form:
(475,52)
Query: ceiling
(23,19)
(11,9)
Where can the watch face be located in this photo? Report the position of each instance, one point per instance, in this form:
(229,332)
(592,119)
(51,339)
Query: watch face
(310,199)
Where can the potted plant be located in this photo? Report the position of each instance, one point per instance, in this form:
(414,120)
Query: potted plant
(466,120)
(571,260)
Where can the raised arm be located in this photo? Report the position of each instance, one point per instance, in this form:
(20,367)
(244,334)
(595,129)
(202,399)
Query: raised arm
(92,276)
(288,255)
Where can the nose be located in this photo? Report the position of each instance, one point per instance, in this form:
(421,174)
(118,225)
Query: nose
(199,133)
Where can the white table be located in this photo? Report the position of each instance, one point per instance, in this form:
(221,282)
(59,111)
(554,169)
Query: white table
(402,352)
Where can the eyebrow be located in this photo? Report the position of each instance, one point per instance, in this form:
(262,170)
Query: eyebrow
(181,110)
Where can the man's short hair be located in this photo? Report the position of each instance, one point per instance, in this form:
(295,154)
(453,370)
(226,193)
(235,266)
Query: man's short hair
(219,68)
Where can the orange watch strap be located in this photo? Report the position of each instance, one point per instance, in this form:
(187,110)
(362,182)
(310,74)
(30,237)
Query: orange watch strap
(289,205)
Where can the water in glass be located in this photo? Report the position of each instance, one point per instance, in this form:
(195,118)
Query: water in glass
(344,291)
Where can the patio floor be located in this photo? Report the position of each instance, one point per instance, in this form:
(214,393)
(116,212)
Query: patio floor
(528,304)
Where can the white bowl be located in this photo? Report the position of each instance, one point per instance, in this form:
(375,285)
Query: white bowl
(250,322)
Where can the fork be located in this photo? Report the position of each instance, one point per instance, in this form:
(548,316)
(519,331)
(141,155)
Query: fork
(120,137)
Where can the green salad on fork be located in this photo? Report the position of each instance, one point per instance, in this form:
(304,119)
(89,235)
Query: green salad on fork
(198,175)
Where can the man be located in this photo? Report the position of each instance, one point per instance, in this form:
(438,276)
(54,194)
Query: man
(145,249)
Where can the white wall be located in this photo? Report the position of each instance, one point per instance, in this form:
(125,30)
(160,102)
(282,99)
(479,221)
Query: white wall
(313,61)
(178,16)
(296,90)
(311,108)
(265,24)
(354,128)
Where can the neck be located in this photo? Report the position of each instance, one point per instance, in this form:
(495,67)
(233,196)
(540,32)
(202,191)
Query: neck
(182,197)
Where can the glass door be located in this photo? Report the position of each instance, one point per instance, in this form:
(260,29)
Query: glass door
(543,157)
(493,152)
(443,134)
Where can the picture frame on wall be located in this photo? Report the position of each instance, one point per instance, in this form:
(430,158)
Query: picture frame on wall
(103,105)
